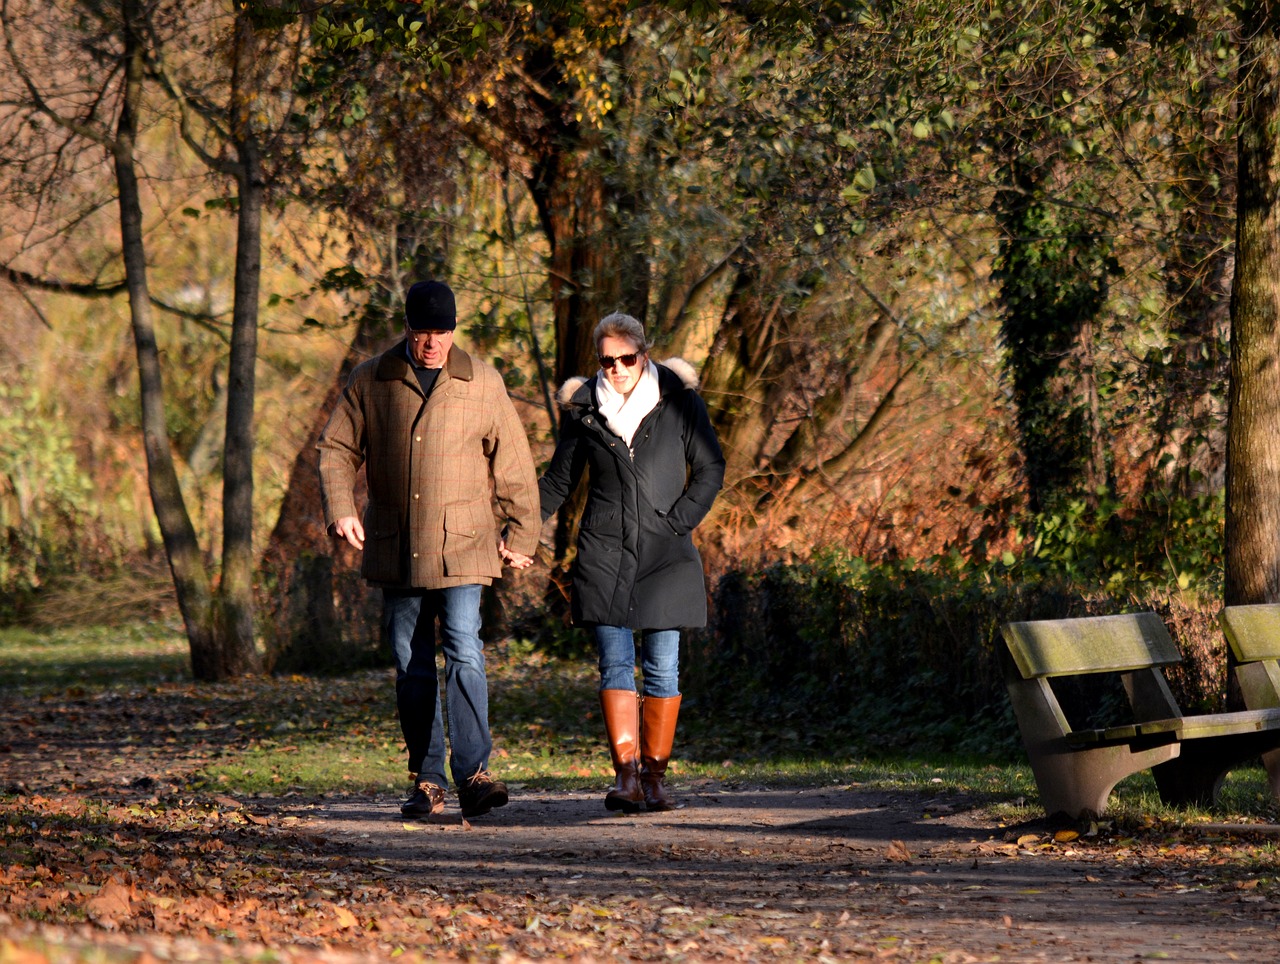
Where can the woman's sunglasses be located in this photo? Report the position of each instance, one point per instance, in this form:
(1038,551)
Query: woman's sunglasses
(607,361)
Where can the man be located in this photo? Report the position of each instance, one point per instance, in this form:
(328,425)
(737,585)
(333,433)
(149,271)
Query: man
(443,450)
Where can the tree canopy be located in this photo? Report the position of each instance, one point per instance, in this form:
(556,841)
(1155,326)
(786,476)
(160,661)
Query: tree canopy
(947,269)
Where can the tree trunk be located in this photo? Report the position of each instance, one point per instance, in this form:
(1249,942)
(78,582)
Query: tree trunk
(239,654)
(735,373)
(322,614)
(585,274)
(190,578)
(1253,444)
(585,280)
(1053,268)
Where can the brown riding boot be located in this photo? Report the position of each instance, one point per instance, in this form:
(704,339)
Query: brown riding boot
(657,734)
(622,723)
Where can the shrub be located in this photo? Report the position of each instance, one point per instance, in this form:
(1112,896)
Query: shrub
(906,655)
(46,504)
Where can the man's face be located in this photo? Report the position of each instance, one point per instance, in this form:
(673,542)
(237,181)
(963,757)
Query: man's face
(430,349)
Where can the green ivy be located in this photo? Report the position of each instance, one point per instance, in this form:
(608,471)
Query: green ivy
(1167,543)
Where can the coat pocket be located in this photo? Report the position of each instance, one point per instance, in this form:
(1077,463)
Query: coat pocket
(602,528)
(471,541)
(383,560)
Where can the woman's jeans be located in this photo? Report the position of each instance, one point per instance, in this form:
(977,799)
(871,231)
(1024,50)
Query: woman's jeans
(408,619)
(660,659)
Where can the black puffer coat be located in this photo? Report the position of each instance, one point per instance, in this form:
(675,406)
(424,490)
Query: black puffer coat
(636,564)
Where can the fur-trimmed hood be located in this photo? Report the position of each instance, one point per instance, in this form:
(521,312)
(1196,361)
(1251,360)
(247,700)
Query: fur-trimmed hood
(684,371)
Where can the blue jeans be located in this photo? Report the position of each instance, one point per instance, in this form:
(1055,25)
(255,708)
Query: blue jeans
(408,619)
(660,659)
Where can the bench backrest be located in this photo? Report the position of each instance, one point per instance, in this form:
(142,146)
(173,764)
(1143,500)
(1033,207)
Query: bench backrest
(1090,644)
(1252,631)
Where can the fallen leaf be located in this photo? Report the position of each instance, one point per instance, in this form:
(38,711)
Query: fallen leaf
(897,851)
(111,905)
(1066,836)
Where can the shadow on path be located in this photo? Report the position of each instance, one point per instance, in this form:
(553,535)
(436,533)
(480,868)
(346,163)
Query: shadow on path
(894,866)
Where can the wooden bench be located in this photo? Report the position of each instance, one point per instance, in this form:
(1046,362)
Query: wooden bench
(1076,769)
(1253,632)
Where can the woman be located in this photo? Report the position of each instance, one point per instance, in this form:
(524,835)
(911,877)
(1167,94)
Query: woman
(641,432)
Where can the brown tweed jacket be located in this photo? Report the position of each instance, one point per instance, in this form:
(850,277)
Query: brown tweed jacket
(446,474)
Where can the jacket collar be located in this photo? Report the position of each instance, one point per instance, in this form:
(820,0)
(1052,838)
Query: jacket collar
(579,392)
(393,364)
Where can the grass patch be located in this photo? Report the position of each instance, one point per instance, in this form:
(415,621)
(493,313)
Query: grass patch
(42,661)
(313,736)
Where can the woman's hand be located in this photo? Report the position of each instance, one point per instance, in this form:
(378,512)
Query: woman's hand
(515,560)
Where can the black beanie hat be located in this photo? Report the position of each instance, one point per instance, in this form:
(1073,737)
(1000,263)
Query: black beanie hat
(428,306)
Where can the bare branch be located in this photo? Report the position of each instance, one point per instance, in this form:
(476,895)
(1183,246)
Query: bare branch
(24,279)
(38,101)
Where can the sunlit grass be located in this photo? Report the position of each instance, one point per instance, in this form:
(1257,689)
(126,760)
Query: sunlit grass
(316,736)
(35,662)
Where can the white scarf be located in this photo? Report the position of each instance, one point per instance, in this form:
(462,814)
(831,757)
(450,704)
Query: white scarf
(624,413)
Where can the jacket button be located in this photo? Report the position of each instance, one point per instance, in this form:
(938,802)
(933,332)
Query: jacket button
(417,438)
(415,555)
(416,496)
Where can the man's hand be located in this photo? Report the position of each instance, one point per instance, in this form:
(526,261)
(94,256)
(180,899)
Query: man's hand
(349,528)
(515,560)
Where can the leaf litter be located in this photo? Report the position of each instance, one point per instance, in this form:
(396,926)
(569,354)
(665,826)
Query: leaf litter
(115,848)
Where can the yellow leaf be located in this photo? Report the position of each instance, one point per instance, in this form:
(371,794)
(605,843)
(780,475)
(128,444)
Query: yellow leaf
(1066,836)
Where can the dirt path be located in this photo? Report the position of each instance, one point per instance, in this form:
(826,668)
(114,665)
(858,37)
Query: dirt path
(832,872)
(736,874)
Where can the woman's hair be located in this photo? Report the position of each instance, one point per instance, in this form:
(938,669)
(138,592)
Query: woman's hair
(619,325)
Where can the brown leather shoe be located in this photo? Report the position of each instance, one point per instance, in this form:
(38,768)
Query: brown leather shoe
(425,799)
(481,793)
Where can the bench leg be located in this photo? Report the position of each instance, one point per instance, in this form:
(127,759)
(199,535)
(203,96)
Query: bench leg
(1191,780)
(1271,762)
(1079,782)
(1196,776)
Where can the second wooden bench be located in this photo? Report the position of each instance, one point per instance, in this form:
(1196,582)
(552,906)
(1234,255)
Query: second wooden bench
(1076,769)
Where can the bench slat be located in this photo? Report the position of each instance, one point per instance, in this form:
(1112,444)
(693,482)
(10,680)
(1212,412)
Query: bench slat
(1214,724)
(1112,734)
(1090,644)
(1252,631)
